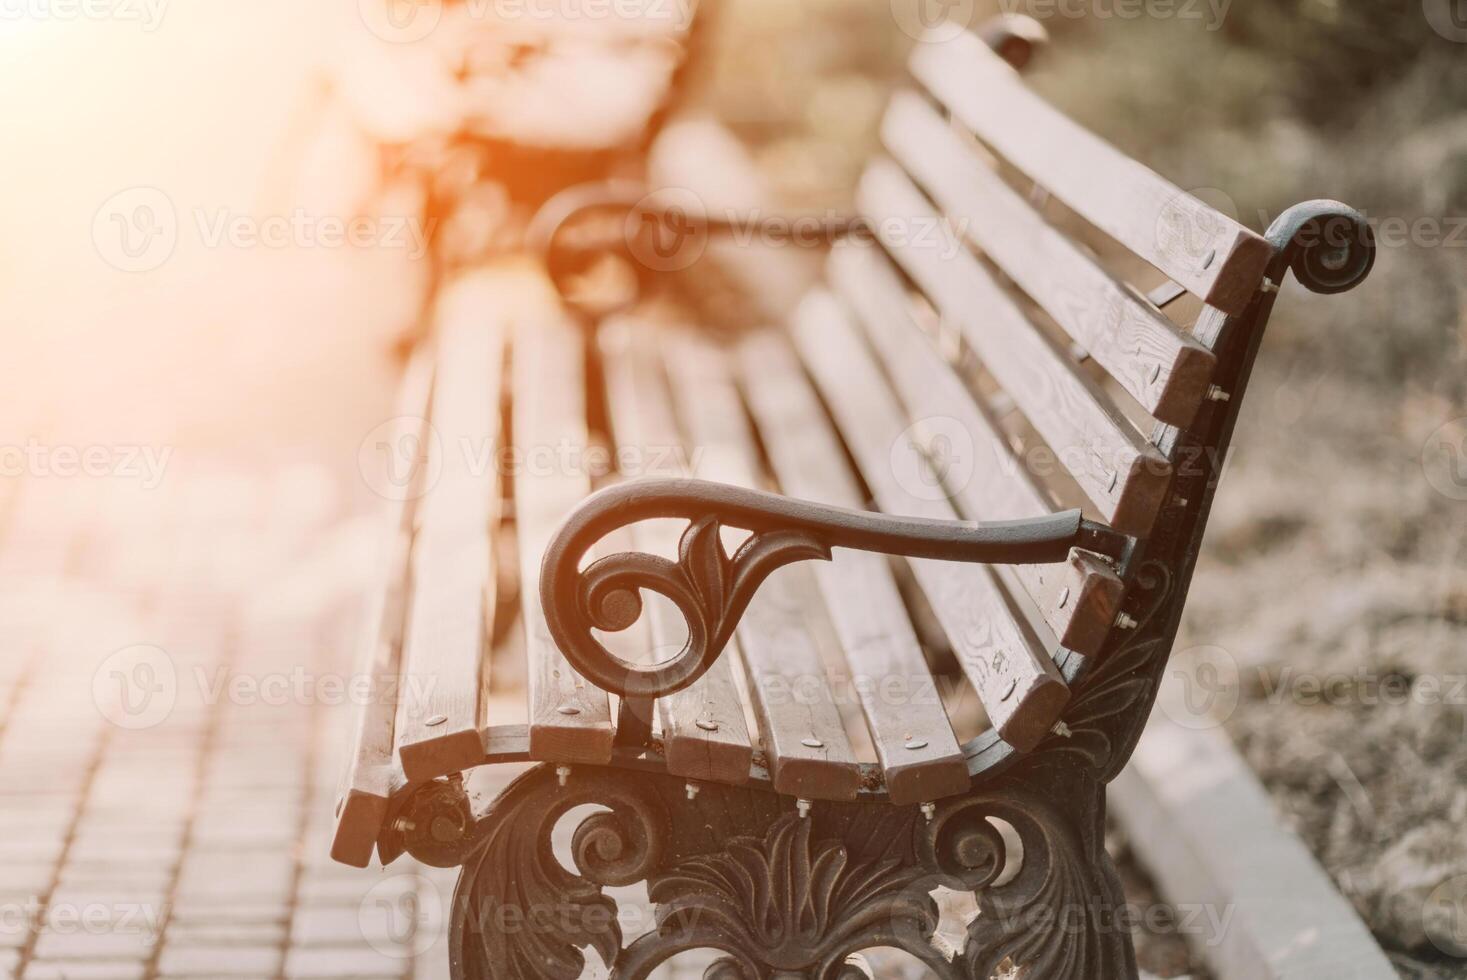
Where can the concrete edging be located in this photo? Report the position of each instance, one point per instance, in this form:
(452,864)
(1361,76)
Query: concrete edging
(1203,827)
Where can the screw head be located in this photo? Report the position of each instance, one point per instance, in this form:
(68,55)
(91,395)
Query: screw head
(811,742)
(913,744)
(1009,691)
(568,709)
(435,721)
(707,724)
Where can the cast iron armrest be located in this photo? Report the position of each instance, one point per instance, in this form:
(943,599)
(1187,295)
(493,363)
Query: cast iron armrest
(711,589)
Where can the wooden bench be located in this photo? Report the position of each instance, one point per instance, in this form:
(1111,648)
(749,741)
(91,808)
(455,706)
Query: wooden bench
(817,611)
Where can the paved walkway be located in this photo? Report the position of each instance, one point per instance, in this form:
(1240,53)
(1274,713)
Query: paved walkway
(172,710)
(168,720)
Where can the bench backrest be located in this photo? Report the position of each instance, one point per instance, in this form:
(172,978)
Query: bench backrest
(1043,323)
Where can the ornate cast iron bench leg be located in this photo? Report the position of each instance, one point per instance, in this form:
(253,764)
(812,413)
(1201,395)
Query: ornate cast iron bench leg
(782,895)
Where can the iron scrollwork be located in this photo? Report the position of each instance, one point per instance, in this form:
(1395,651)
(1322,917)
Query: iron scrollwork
(711,589)
(784,895)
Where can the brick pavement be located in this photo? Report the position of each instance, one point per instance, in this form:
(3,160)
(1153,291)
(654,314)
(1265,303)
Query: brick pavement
(170,742)
(168,749)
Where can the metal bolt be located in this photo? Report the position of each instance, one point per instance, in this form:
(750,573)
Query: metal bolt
(929,810)
(1269,286)
(1216,394)
(1062,730)
(692,789)
(811,742)
(1125,622)
(913,744)
(435,721)
(568,709)
(562,774)
(804,807)
(708,724)
(1179,501)
(403,825)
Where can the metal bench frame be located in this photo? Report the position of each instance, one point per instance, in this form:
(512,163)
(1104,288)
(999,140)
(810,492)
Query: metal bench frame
(794,888)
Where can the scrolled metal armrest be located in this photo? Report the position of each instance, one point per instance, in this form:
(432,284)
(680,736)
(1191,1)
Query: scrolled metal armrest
(711,588)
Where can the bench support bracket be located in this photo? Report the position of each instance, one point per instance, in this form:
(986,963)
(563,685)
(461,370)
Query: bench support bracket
(778,894)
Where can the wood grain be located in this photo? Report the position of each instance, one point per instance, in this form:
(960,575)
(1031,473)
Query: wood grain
(452,563)
(1215,257)
(704,732)
(1005,662)
(372,771)
(910,731)
(799,723)
(1078,599)
(1114,464)
(570,720)
(1164,369)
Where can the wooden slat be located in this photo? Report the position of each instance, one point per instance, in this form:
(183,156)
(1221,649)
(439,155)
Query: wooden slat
(452,562)
(913,738)
(570,719)
(1165,370)
(704,732)
(1119,470)
(1007,664)
(1079,598)
(1214,256)
(372,771)
(800,724)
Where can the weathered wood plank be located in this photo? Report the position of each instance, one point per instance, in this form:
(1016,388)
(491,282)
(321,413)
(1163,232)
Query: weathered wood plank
(1006,663)
(570,720)
(801,729)
(704,731)
(1115,465)
(1165,370)
(910,731)
(1078,599)
(452,563)
(372,772)
(1214,256)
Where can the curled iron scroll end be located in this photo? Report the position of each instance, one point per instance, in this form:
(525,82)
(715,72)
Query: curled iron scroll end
(1330,246)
